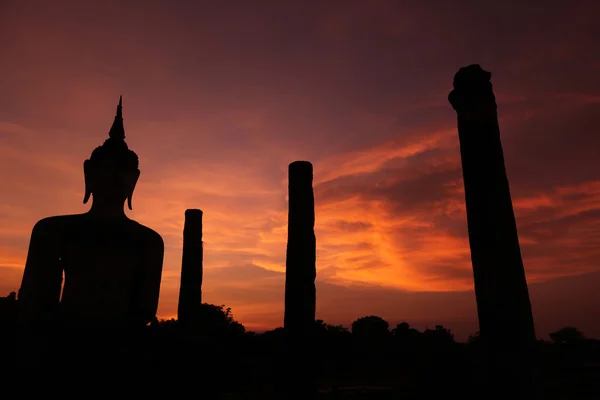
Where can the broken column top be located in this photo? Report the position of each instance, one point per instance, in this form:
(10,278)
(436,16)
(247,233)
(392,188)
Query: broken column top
(193,213)
(301,170)
(472,89)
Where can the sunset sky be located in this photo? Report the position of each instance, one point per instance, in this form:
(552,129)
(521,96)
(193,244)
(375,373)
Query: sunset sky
(220,96)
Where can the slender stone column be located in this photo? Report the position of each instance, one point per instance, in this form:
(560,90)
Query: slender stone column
(300,274)
(190,290)
(505,316)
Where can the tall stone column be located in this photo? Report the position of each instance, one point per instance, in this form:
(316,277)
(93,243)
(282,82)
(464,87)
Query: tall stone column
(190,290)
(505,316)
(300,272)
(300,275)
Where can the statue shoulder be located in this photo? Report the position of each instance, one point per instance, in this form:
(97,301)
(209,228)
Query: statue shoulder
(150,236)
(56,223)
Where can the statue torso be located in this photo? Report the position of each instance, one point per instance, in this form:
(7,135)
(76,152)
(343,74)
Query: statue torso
(101,261)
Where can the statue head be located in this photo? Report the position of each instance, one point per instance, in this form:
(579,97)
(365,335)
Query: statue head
(111,172)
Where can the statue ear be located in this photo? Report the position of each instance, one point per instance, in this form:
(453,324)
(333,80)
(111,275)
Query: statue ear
(131,181)
(86,177)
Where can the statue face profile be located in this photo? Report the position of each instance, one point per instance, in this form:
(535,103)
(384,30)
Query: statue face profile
(111,172)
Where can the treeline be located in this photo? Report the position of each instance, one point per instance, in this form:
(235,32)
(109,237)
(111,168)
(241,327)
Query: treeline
(371,356)
(224,357)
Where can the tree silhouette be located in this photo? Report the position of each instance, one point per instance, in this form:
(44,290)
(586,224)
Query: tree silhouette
(439,335)
(371,334)
(404,333)
(323,329)
(474,339)
(567,335)
(370,327)
(229,360)
(211,321)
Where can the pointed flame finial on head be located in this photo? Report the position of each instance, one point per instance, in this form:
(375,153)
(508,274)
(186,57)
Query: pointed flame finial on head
(117,131)
(120,107)
(114,153)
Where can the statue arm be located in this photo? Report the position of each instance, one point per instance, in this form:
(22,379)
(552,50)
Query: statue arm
(150,281)
(39,294)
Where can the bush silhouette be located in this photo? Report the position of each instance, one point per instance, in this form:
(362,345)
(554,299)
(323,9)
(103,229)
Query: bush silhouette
(567,335)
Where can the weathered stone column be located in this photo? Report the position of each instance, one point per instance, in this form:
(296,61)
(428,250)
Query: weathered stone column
(190,290)
(505,316)
(300,274)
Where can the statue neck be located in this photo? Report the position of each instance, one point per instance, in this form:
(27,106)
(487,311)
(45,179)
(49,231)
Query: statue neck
(100,209)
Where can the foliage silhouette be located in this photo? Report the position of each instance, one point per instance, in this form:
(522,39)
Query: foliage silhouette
(371,327)
(567,335)
(223,358)
(439,336)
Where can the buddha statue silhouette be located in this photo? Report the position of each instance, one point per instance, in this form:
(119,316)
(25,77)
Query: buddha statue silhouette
(112,265)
